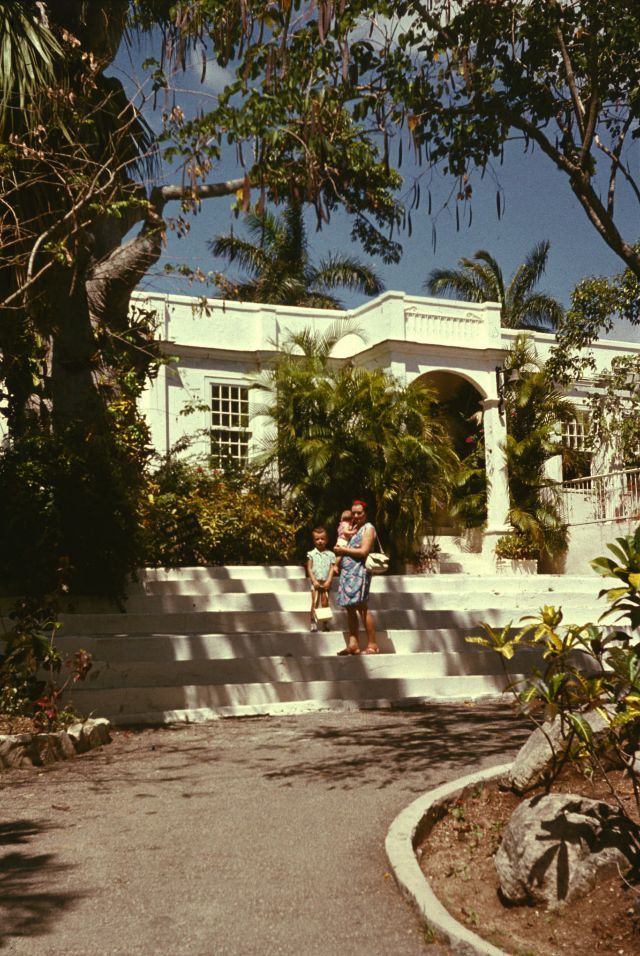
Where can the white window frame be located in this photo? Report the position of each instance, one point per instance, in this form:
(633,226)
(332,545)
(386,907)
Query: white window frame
(575,433)
(230,420)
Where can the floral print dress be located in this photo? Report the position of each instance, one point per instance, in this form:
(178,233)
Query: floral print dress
(354,580)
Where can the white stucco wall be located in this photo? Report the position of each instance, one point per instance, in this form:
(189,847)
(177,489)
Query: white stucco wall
(213,341)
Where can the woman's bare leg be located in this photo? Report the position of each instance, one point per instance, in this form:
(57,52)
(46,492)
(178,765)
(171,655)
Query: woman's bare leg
(351,639)
(370,628)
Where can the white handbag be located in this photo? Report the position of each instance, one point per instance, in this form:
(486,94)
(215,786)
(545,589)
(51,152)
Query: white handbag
(377,561)
(323,613)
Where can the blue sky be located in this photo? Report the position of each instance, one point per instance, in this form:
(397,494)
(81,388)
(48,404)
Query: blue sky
(538,205)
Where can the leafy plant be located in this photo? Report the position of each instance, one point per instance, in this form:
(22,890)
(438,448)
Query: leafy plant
(481,280)
(534,405)
(427,556)
(30,664)
(625,598)
(341,433)
(516,546)
(584,669)
(279,268)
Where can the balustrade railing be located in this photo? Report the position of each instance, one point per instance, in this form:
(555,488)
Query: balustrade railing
(465,328)
(600,497)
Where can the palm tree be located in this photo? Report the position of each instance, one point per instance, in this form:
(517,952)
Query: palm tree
(276,259)
(343,432)
(534,405)
(481,280)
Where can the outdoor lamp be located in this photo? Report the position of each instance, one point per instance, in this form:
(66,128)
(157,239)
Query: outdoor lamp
(504,377)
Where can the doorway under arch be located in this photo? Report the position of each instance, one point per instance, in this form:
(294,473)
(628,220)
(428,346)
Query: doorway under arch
(461,410)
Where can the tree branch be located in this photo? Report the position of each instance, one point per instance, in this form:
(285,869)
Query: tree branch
(581,186)
(578,105)
(614,156)
(160,195)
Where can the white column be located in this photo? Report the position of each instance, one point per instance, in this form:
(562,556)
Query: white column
(495,434)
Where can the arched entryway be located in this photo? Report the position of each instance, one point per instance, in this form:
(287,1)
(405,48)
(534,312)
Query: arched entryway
(461,408)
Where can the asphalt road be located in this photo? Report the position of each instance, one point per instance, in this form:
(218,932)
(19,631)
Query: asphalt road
(250,836)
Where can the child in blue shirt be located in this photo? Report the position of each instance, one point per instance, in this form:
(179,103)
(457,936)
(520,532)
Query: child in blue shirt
(321,566)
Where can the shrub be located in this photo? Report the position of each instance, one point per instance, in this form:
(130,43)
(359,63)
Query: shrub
(68,505)
(30,664)
(516,546)
(195,514)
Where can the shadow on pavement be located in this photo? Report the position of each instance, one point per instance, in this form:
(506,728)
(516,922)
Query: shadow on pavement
(444,737)
(26,908)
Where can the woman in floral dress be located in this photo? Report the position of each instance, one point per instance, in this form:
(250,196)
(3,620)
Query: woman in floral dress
(354,581)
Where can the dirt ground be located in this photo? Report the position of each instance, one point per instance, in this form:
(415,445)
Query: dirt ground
(457,858)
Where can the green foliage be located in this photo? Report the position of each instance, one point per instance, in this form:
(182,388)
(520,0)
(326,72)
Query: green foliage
(28,646)
(585,668)
(198,514)
(481,280)
(68,501)
(67,508)
(625,567)
(468,495)
(278,265)
(534,407)
(342,432)
(559,76)
(30,664)
(516,546)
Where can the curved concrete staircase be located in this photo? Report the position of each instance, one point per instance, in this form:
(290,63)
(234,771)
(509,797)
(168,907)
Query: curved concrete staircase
(196,643)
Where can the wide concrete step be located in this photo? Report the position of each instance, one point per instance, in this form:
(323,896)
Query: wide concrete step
(445,585)
(299,601)
(125,648)
(196,643)
(259,670)
(206,622)
(250,576)
(204,701)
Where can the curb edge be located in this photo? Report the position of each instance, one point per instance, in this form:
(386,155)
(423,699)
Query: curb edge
(409,827)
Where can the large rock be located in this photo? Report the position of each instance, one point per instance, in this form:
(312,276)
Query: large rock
(555,847)
(90,733)
(16,750)
(546,746)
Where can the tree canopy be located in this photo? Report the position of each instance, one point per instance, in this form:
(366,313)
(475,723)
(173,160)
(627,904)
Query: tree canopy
(562,76)
(79,169)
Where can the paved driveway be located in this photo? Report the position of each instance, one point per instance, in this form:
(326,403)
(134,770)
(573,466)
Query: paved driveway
(239,837)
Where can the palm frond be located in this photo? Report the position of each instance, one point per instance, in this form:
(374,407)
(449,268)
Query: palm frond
(29,55)
(456,282)
(235,250)
(537,311)
(348,272)
(493,270)
(529,273)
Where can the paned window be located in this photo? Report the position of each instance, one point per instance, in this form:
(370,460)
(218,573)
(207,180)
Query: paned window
(230,433)
(575,437)
(574,434)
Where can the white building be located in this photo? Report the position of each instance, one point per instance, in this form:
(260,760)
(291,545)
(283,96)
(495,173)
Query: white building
(221,349)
